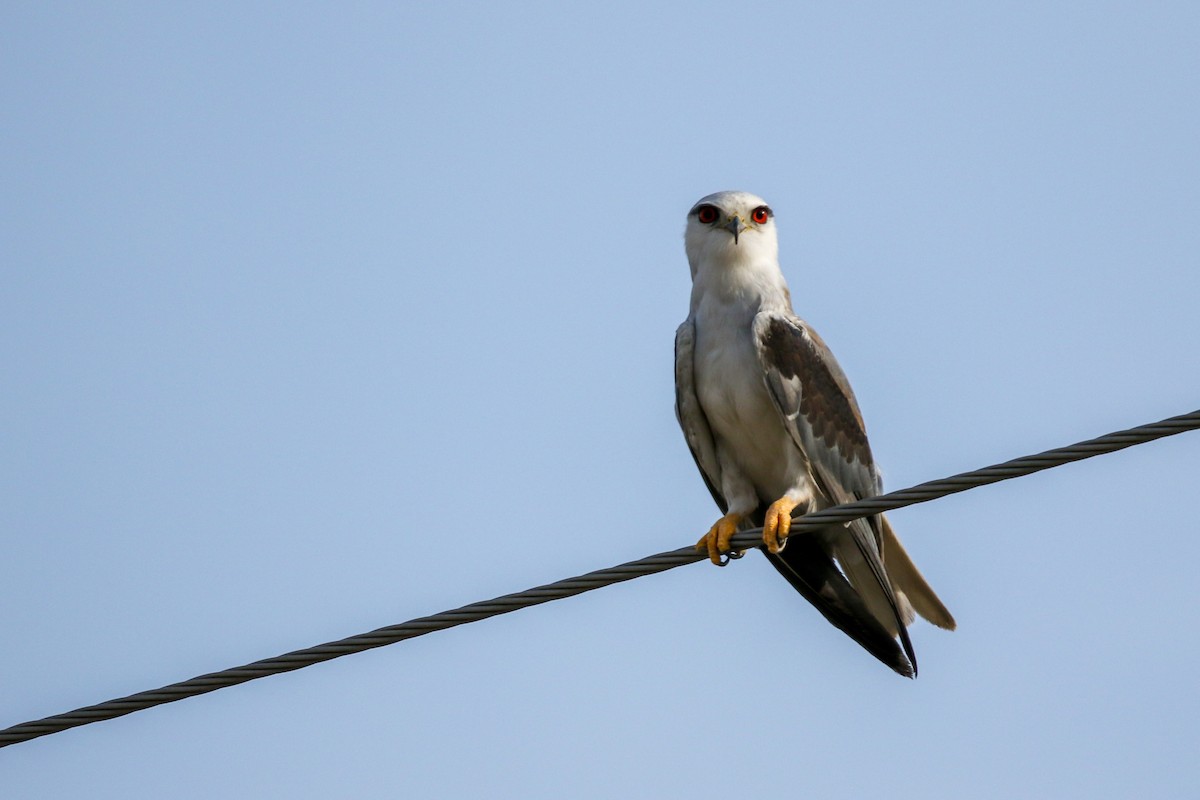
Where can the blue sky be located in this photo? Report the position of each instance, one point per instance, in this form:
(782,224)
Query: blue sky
(318,319)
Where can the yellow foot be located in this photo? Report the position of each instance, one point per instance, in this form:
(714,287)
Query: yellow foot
(777,524)
(716,541)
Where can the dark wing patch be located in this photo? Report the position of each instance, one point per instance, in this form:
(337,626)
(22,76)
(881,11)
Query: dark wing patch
(826,402)
(809,568)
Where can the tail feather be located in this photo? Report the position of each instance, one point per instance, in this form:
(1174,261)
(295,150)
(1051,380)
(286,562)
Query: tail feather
(857,552)
(863,578)
(850,592)
(908,580)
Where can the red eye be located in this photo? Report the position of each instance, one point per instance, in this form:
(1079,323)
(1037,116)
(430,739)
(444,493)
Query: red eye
(760,215)
(706,214)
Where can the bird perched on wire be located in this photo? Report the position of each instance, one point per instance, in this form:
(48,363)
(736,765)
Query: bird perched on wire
(775,430)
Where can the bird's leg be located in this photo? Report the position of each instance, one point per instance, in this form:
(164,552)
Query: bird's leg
(716,541)
(778,522)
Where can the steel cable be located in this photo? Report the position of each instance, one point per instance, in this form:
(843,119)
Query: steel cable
(661,562)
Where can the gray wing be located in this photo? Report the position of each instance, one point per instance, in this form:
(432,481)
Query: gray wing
(822,417)
(691,417)
(817,404)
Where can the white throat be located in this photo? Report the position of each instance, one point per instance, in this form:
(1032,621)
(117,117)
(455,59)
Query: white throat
(749,280)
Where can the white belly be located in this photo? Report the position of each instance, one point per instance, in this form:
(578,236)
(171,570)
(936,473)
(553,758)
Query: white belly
(745,423)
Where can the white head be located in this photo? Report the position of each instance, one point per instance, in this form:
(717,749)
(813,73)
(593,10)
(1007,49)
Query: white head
(731,229)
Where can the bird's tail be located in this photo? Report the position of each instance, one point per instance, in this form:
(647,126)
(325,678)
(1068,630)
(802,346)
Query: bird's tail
(866,580)
(908,581)
(912,593)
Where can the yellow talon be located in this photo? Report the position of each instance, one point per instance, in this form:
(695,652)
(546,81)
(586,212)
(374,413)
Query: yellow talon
(716,541)
(777,523)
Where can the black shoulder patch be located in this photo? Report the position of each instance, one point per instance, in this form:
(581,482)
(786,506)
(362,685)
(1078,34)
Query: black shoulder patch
(824,402)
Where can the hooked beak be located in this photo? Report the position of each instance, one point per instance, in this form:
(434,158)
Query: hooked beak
(735,226)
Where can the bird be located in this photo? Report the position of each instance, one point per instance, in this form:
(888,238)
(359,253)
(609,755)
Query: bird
(776,431)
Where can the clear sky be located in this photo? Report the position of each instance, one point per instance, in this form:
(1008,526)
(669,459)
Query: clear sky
(319,317)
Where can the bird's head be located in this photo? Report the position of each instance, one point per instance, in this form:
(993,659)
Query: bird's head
(731,228)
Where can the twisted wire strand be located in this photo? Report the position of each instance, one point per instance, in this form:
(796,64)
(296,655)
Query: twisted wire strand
(660,562)
(1016,468)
